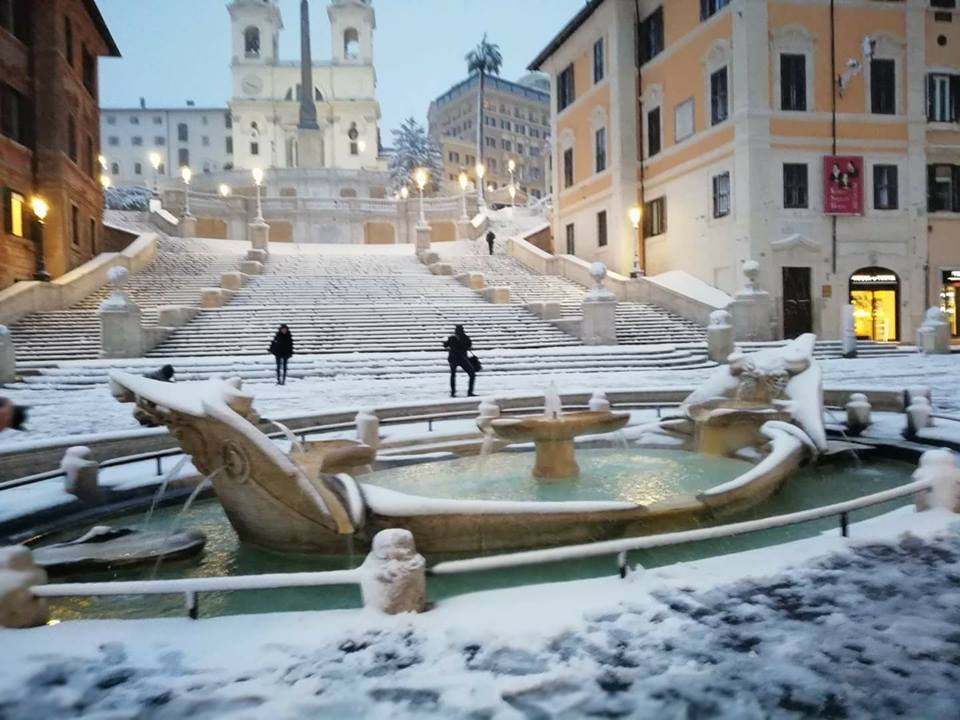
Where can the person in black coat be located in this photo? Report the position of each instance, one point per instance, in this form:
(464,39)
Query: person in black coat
(458,347)
(282,349)
(491,237)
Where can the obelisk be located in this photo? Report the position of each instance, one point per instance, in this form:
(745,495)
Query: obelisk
(309,135)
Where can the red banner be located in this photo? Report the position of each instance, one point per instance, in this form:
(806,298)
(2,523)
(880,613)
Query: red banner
(842,185)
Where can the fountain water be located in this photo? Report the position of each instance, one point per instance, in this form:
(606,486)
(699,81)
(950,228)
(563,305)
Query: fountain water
(171,473)
(183,511)
(552,403)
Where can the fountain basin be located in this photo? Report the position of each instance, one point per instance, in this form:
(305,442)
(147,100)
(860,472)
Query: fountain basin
(105,546)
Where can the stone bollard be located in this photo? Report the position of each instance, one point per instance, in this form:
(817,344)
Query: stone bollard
(121,329)
(394,574)
(368,428)
(475,280)
(918,416)
(232,280)
(255,255)
(259,236)
(599,325)
(848,333)
(8,357)
(211,297)
(188,226)
(599,402)
(940,468)
(18,573)
(751,307)
(251,267)
(499,295)
(933,336)
(918,391)
(81,472)
(720,336)
(858,413)
(424,234)
(489,410)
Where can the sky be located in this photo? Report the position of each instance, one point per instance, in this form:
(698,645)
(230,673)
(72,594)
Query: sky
(179,50)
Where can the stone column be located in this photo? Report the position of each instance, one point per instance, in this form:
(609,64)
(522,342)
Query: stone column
(720,337)
(423,238)
(395,577)
(121,330)
(259,232)
(188,226)
(18,573)
(750,309)
(599,325)
(8,357)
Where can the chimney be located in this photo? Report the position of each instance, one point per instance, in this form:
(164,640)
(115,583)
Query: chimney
(143,103)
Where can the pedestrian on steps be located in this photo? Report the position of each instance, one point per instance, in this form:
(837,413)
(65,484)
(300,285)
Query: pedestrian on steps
(491,237)
(458,348)
(282,349)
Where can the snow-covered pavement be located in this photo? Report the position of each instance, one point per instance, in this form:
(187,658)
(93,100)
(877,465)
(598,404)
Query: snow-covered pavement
(56,413)
(819,628)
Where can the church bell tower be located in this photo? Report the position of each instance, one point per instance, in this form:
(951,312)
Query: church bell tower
(352,23)
(255,29)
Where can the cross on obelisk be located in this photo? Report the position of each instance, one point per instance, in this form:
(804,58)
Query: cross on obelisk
(308,109)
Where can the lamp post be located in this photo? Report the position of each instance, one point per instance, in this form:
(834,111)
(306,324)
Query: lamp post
(258,180)
(421,176)
(404,192)
(106,182)
(225,190)
(463,195)
(155,161)
(481,170)
(40,210)
(511,168)
(186,173)
(513,196)
(636,214)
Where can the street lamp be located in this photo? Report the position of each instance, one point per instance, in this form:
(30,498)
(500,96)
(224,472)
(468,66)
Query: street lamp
(636,213)
(155,161)
(511,168)
(463,195)
(105,181)
(513,195)
(225,190)
(404,192)
(481,170)
(186,173)
(420,176)
(40,210)
(103,162)
(258,180)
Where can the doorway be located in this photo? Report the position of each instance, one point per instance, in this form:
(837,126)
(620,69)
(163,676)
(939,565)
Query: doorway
(875,296)
(950,299)
(797,302)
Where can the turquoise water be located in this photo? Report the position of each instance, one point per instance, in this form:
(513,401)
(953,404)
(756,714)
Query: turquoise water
(225,555)
(638,477)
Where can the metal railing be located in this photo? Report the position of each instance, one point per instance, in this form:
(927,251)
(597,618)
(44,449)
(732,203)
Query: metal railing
(620,548)
(192,587)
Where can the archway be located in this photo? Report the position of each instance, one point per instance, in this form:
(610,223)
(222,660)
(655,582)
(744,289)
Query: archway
(251,42)
(351,44)
(379,233)
(875,296)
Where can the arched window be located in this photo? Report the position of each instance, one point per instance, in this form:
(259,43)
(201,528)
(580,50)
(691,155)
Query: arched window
(351,44)
(251,42)
(353,134)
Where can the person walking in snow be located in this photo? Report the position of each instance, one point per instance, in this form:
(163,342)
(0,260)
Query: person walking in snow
(164,374)
(491,237)
(11,416)
(282,349)
(458,348)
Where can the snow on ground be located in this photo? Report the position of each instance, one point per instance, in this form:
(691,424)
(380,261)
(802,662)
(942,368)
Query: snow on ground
(815,629)
(56,413)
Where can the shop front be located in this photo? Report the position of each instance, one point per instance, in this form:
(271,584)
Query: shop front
(949,296)
(875,296)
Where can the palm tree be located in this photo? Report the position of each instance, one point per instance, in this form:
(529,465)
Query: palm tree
(485,59)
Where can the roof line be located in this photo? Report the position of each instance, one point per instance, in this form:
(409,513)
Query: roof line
(569,29)
(101,26)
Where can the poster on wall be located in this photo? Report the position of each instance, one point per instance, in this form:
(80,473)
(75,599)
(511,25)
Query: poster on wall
(843,185)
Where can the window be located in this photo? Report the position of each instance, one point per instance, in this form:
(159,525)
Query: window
(251,42)
(183,133)
(565,89)
(568,167)
(719,101)
(111,120)
(600,149)
(16,116)
(351,44)
(115,169)
(655,217)
(113,141)
(15,214)
(93,235)
(943,98)
(75,226)
(72,138)
(793,82)
(91,159)
(683,120)
(651,36)
(183,157)
(721,195)
(602,228)
(134,120)
(795,186)
(227,120)
(254,148)
(157,120)
(883,83)
(13,18)
(519,149)
(229,142)
(205,141)
(885,187)
(571,240)
(137,169)
(943,188)
(653,132)
(506,145)
(68,49)
(159,141)
(598,61)
(711,7)
(490,142)
(136,141)
(90,72)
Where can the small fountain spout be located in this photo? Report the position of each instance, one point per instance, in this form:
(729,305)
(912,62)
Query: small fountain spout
(552,404)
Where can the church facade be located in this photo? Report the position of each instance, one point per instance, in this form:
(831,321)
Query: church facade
(266,91)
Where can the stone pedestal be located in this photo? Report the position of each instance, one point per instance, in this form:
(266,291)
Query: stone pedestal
(858,414)
(232,280)
(18,573)
(259,233)
(441,268)
(172,316)
(424,233)
(121,329)
(474,280)
(498,295)
(720,337)
(933,336)
(8,359)
(368,428)
(395,579)
(251,267)
(599,325)
(848,332)
(918,416)
(81,473)
(310,148)
(256,255)
(211,298)
(188,226)
(464,230)
(940,468)
(751,306)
